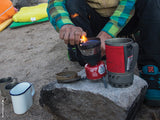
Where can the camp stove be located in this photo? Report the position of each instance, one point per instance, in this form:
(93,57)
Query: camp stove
(91,53)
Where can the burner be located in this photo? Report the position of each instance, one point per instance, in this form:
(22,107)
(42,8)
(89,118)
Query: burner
(91,53)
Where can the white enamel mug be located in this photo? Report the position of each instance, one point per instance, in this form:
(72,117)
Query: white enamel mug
(22,97)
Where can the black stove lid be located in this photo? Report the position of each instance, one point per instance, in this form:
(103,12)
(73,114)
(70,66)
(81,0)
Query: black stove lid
(91,43)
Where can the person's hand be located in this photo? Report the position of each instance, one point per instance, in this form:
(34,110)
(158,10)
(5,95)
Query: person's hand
(71,34)
(103,36)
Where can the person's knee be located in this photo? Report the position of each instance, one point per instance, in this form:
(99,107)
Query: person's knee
(74,6)
(148,9)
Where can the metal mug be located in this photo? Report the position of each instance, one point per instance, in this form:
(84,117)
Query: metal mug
(4,82)
(121,58)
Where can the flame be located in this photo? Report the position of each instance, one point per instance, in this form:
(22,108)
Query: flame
(74,15)
(83,39)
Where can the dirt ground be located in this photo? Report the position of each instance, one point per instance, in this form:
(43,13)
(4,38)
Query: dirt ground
(35,54)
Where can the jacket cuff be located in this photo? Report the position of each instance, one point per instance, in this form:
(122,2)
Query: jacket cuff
(111,29)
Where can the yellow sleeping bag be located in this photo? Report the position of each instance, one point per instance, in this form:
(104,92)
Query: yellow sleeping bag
(31,13)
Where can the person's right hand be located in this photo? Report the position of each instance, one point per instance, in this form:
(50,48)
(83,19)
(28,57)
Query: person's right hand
(71,34)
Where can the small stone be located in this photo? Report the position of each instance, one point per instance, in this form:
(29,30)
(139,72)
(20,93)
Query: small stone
(21,3)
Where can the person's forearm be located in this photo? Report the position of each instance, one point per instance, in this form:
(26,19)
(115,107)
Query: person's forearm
(120,17)
(58,14)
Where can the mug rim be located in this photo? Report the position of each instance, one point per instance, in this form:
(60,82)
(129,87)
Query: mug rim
(12,94)
(5,80)
(10,86)
(116,41)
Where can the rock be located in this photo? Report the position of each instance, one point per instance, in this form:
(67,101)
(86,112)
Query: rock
(21,3)
(88,100)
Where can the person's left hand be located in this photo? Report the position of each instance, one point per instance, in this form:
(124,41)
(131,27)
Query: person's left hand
(103,36)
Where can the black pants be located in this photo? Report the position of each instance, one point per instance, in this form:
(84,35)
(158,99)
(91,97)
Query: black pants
(146,20)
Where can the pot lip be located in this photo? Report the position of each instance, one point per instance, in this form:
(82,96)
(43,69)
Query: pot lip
(118,41)
(15,92)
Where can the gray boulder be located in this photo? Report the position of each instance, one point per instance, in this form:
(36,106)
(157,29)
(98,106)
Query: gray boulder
(87,100)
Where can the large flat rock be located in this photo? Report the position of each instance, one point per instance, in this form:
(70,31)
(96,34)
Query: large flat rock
(88,100)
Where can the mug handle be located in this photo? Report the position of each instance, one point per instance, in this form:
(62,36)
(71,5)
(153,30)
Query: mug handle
(14,80)
(33,90)
(135,53)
